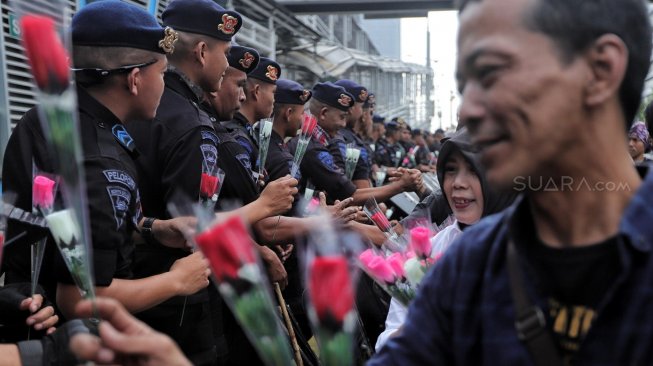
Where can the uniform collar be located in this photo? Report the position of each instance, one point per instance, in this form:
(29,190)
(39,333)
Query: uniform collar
(321,136)
(104,117)
(179,82)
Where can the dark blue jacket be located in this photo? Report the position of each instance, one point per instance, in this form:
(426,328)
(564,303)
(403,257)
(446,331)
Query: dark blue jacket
(464,313)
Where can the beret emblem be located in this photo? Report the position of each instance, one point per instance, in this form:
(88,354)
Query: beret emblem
(228,25)
(344,100)
(167,44)
(246,61)
(273,73)
(305,95)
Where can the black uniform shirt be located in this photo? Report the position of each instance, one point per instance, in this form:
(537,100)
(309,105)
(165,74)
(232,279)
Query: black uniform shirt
(174,146)
(241,130)
(112,192)
(279,161)
(363,166)
(233,159)
(388,154)
(321,167)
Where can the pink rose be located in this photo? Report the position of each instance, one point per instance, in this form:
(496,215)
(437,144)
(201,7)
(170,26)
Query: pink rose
(396,262)
(43,192)
(381,270)
(420,241)
(366,256)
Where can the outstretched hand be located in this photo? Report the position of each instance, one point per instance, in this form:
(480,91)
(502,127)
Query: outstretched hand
(123,339)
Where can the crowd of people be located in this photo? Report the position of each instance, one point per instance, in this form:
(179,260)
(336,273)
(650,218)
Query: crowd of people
(545,274)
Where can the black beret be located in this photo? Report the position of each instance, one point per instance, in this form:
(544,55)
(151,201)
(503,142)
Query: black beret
(244,59)
(202,17)
(378,119)
(333,95)
(392,126)
(113,23)
(291,92)
(267,70)
(359,92)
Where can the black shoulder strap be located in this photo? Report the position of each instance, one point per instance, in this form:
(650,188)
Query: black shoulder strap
(530,321)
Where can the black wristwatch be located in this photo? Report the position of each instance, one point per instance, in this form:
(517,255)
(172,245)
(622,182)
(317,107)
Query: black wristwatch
(146,229)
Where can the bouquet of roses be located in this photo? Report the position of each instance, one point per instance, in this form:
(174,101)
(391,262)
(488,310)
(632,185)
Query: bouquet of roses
(330,277)
(48,60)
(351,159)
(401,272)
(243,284)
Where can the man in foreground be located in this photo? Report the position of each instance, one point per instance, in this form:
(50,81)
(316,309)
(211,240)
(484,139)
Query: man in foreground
(548,86)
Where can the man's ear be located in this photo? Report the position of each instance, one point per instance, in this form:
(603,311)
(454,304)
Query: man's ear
(288,113)
(134,81)
(607,58)
(254,91)
(322,115)
(199,52)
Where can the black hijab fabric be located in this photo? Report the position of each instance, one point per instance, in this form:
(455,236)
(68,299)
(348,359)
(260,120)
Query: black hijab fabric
(493,200)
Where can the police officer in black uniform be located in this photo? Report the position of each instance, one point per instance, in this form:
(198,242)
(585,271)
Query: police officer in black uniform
(175,147)
(233,158)
(321,164)
(119,52)
(289,101)
(259,101)
(388,151)
(363,166)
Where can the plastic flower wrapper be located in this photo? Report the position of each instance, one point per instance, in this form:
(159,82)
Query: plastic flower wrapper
(210,185)
(3,228)
(379,177)
(264,134)
(353,153)
(67,234)
(330,277)
(243,284)
(374,213)
(44,189)
(308,126)
(50,67)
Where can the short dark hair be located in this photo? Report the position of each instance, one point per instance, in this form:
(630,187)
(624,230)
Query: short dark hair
(575,24)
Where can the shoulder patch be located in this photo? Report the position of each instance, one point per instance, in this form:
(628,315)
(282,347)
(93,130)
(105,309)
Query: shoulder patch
(326,159)
(244,142)
(119,176)
(208,135)
(244,161)
(120,199)
(123,136)
(210,154)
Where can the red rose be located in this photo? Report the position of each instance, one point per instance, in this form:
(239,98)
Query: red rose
(47,56)
(208,185)
(381,221)
(331,288)
(227,246)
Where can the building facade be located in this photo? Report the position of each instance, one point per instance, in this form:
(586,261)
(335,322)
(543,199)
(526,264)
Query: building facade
(311,48)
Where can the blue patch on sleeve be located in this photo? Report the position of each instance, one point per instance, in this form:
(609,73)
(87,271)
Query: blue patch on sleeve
(244,142)
(244,161)
(327,160)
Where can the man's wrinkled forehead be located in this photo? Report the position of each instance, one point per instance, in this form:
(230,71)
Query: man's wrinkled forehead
(486,24)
